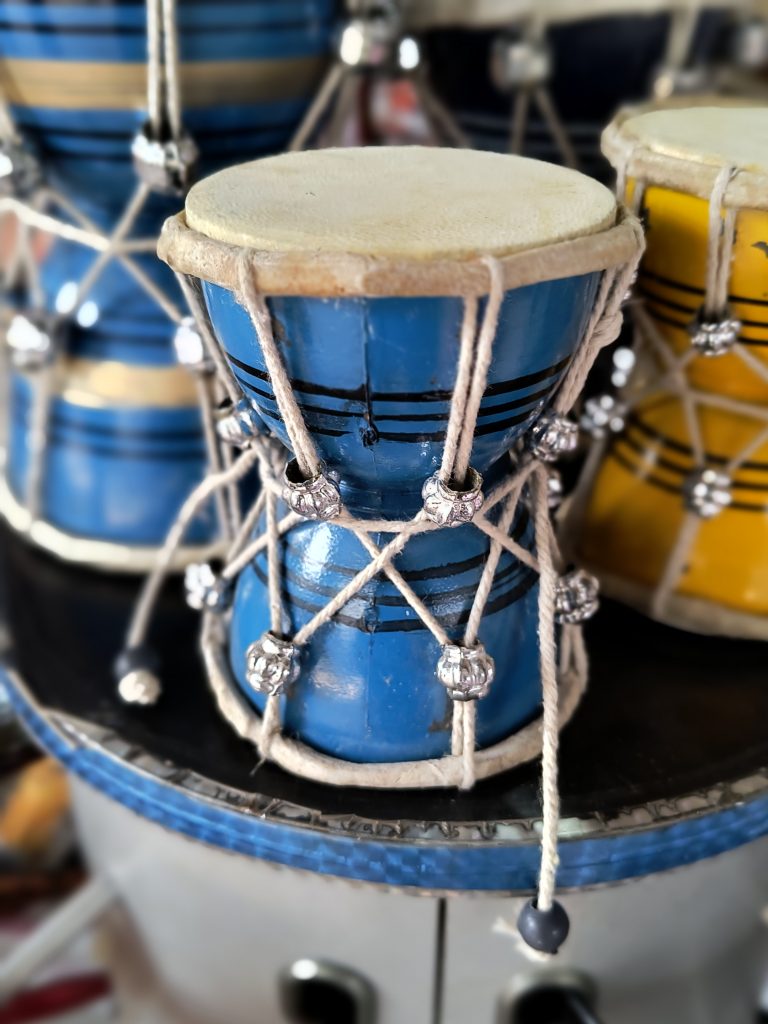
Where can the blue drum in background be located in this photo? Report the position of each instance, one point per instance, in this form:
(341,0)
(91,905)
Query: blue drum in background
(592,58)
(372,364)
(119,463)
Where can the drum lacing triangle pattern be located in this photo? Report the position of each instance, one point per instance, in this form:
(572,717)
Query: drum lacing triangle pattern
(528,474)
(47,210)
(706,492)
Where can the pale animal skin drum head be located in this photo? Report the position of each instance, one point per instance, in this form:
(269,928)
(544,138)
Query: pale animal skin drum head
(398,203)
(717,136)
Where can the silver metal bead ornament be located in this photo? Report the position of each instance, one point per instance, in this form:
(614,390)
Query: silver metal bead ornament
(271,664)
(577,597)
(190,349)
(166,165)
(33,339)
(707,492)
(205,590)
(448,507)
(316,497)
(714,337)
(466,672)
(239,424)
(603,415)
(553,436)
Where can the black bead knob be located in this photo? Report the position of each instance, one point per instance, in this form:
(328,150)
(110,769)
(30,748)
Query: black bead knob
(544,930)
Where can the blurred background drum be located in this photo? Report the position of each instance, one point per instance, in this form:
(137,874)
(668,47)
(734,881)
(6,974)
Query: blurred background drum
(106,436)
(675,501)
(544,78)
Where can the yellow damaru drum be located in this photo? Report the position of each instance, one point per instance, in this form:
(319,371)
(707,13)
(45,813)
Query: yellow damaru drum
(640,530)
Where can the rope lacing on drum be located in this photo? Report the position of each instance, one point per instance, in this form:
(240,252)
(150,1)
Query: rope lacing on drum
(706,491)
(372,42)
(279,654)
(47,210)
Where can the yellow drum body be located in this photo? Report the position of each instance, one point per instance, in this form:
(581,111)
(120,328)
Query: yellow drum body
(637,526)
(672,279)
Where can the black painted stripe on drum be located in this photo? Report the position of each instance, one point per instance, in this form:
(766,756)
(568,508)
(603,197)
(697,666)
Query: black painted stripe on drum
(405,437)
(679,307)
(507,575)
(119,454)
(682,471)
(694,289)
(274,414)
(663,485)
(58,421)
(683,326)
(634,420)
(360,394)
(518,403)
(412,625)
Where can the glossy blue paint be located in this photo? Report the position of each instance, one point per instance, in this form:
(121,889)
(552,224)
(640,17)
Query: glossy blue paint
(114,474)
(374,378)
(86,153)
(438,862)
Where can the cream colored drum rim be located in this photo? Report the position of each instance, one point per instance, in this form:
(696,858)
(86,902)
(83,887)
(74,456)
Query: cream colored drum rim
(335,275)
(103,555)
(747,189)
(431,14)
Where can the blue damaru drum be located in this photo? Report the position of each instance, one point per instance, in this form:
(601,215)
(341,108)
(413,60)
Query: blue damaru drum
(120,460)
(373,370)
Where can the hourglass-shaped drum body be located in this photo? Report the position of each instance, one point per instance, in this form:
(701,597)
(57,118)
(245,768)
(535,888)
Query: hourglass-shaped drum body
(373,376)
(124,443)
(642,499)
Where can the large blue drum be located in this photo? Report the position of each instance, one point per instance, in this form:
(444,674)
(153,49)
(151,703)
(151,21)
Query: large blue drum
(368,259)
(122,453)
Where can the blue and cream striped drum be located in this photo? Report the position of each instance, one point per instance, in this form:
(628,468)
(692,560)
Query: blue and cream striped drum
(380,308)
(106,437)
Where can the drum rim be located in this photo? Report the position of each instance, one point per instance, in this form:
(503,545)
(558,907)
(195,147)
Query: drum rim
(161,791)
(337,275)
(747,190)
(555,12)
(103,555)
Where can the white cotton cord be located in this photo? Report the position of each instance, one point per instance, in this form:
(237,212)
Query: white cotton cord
(203,387)
(270,726)
(154,582)
(520,110)
(122,228)
(247,526)
(257,545)
(550,694)
(417,525)
(549,111)
(468,743)
(676,562)
(256,306)
(722,232)
(406,590)
(172,75)
(485,585)
(506,542)
(747,451)
(274,565)
(442,123)
(482,362)
(461,388)
(212,347)
(318,108)
(154,67)
(39,420)
(682,27)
